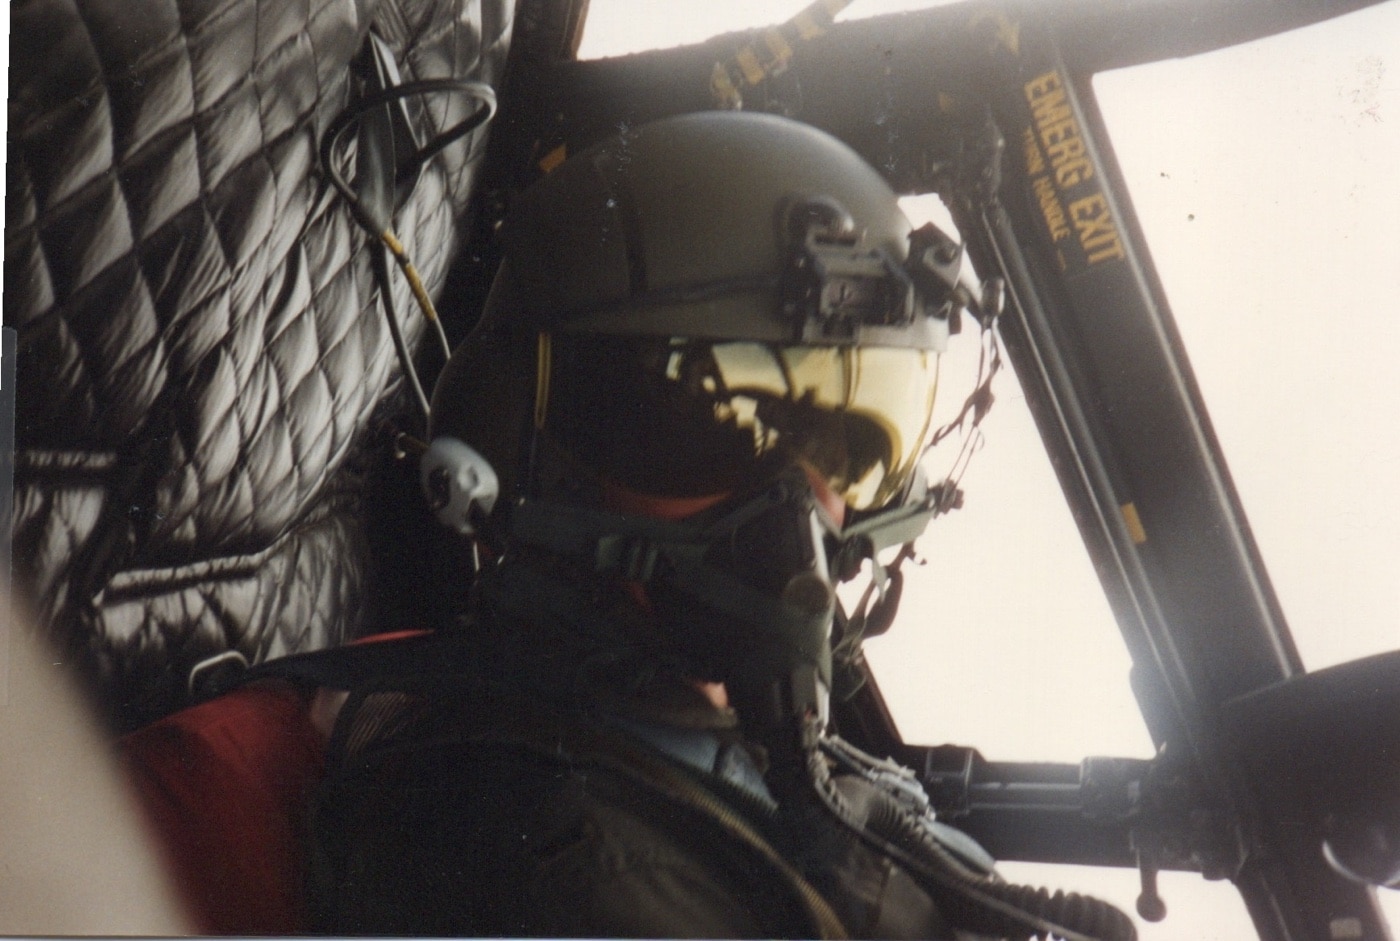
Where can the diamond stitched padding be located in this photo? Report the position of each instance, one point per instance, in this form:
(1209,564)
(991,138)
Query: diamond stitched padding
(200,343)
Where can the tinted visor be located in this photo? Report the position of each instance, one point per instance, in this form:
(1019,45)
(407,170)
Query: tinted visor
(695,417)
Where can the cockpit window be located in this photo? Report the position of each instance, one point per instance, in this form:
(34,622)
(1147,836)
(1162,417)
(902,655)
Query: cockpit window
(1263,175)
(1264,178)
(620,27)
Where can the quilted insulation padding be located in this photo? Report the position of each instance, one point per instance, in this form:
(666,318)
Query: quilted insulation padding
(200,346)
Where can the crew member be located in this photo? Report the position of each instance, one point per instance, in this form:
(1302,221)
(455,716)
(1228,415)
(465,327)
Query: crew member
(698,397)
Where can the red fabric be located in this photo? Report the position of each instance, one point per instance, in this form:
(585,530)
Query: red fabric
(225,785)
(392,635)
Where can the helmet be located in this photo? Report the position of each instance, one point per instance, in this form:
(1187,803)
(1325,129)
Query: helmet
(689,311)
(690,303)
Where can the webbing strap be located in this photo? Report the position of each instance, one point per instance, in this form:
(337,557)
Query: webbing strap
(356,666)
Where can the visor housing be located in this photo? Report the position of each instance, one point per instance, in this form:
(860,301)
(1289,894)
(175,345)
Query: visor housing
(687,417)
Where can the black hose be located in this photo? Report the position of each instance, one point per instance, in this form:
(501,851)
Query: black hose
(972,900)
(379,229)
(988,906)
(482,92)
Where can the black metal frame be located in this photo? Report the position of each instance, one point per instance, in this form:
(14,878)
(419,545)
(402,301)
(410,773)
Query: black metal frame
(993,108)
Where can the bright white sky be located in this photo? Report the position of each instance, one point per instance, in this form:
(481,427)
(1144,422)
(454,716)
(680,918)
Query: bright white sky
(1266,178)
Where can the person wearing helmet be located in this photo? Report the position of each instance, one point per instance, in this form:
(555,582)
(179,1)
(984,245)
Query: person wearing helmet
(704,352)
(714,319)
(697,397)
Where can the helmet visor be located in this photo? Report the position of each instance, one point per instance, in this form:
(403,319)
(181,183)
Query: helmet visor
(685,417)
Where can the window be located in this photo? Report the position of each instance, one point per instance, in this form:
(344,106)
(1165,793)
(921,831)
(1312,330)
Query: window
(1264,178)
(1265,181)
(1004,640)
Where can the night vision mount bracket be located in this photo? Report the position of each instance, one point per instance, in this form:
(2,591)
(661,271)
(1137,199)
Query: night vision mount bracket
(838,292)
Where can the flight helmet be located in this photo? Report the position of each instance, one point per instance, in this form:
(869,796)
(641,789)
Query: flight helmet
(704,311)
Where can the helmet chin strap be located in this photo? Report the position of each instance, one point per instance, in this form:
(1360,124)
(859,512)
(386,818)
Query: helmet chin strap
(744,589)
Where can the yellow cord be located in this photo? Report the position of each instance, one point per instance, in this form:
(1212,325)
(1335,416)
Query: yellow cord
(415,283)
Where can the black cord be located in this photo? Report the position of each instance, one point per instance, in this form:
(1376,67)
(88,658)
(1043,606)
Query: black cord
(381,274)
(479,90)
(990,906)
(380,229)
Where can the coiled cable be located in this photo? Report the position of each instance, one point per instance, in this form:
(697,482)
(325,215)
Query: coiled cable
(975,901)
(380,229)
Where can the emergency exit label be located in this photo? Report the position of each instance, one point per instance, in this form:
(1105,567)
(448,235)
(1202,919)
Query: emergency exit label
(1064,180)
